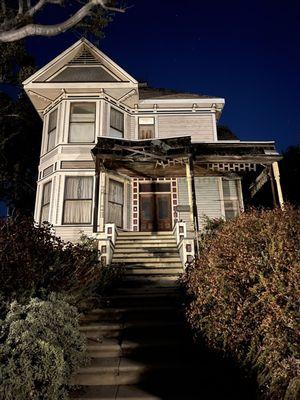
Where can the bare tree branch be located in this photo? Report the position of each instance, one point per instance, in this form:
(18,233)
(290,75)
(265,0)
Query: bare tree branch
(3,7)
(12,35)
(21,7)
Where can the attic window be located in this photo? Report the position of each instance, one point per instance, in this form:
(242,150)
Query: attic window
(85,57)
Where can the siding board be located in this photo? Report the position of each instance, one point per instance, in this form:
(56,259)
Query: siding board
(199,127)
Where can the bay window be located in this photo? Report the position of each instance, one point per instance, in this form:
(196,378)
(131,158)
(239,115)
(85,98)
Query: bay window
(78,200)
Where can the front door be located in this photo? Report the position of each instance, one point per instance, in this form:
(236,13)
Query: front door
(155,212)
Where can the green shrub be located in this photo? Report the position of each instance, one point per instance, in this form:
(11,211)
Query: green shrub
(40,348)
(244,292)
(33,258)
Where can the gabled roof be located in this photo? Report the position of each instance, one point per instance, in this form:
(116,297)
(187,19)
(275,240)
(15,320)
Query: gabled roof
(82,53)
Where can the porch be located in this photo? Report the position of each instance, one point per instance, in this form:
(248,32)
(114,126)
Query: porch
(174,185)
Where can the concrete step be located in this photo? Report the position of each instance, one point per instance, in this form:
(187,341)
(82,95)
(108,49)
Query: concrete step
(146,290)
(152,262)
(135,233)
(151,241)
(122,371)
(147,245)
(141,252)
(113,392)
(138,259)
(152,271)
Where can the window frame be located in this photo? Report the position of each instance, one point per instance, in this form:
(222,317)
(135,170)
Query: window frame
(91,199)
(43,205)
(139,125)
(53,129)
(72,103)
(113,127)
(234,199)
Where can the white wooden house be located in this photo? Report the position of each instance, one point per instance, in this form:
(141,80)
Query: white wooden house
(119,155)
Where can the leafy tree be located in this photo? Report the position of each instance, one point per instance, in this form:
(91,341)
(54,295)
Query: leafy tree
(20,18)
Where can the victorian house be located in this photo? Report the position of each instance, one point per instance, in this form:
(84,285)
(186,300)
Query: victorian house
(118,155)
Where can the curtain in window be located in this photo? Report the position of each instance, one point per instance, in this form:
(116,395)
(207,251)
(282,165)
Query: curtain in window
(78,200)
(115,203)
(146,128)
(52,130)
(46,202)
(82,122)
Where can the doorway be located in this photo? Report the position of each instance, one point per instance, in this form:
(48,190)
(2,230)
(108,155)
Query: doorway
(155,207)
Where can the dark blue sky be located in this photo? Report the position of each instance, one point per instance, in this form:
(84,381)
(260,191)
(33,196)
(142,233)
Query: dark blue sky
(245,51)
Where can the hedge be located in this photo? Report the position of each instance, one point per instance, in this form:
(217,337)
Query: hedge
(244,296)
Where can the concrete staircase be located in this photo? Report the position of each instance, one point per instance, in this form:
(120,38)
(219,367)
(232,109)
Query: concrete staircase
(138,343)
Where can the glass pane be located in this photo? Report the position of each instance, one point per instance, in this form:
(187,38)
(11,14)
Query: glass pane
(116,120)
(51,140)
(146,121)
(46,193)
(52,120)
(114,133)
(115,214)
(79,187)
(115,192)
(155,187)
(230,188)
(146,131)
(147,208)
(77,212)
(45,213)
(81,132)
(83,112)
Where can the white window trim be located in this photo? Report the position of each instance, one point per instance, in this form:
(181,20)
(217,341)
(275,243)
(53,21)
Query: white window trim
(125,195)
(68,117)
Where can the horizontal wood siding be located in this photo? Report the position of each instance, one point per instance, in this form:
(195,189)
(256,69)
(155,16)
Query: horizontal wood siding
(77,165)
(129,132)
(72,233)
(199,127)
(208,198)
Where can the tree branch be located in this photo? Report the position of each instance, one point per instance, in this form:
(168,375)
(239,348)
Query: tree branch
(53,30)
(21,7)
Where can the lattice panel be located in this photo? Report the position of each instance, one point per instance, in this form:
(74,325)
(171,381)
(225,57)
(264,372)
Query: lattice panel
(231,167)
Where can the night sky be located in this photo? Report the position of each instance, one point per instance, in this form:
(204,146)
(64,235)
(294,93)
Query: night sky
(245,51)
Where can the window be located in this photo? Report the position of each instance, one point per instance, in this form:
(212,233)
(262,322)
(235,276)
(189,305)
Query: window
(46,202)
(82,123)
(146,128)
(116,123)
(52,123)
(78,200)
(231,199)
(115,203)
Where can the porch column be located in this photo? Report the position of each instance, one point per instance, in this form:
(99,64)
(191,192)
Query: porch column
(96,201)
(191,193)
(276,174)
(102,201)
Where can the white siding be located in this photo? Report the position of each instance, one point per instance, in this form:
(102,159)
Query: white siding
(199,127)
(207,198)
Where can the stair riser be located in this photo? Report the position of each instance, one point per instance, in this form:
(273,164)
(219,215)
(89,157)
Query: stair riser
(147,245)
(152,242)
(133,316)
(146,254)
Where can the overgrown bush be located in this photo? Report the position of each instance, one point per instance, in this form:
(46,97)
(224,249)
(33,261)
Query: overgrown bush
(40,348)
(244,292)
(33,258)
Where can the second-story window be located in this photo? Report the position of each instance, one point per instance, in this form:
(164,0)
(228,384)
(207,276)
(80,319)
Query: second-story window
(146,128)
(116,123)
(82,123)
(52,123)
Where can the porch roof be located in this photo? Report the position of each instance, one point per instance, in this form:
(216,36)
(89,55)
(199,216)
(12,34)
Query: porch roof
(167,157)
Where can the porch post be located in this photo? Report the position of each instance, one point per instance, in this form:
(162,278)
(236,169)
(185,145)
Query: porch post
(96,203)
(189,168)
(276,174)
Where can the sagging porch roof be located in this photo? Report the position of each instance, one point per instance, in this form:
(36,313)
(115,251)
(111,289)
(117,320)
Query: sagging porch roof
(167,157)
